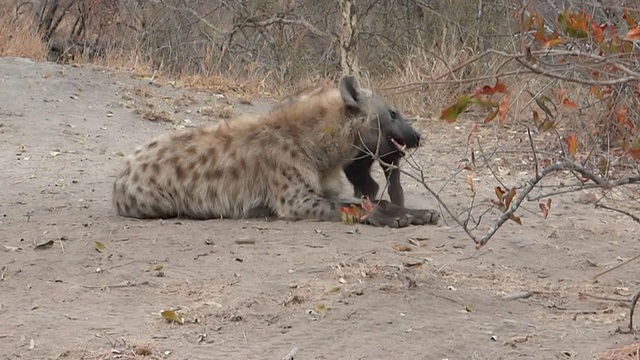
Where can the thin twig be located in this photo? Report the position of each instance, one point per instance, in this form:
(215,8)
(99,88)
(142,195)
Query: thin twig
(617,266)
(634,301)
(633,217)
(533,150)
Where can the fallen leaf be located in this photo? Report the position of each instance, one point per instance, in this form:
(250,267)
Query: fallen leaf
(44,245)
(400,247)
(332,289)
(570,104)
(470,182)
(413,265)
(54,153)
(11,248)
(320,308)
(622,291)
(119,153)
(172,316)
(100,246)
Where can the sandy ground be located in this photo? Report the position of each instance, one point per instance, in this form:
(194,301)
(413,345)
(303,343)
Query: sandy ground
(258,289)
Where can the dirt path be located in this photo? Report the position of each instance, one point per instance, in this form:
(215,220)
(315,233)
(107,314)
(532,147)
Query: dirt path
(257,289)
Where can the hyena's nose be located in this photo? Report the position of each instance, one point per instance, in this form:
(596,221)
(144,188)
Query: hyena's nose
(417,138)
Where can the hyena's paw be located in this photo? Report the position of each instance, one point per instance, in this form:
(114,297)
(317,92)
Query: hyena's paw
(383,215)
(423,216)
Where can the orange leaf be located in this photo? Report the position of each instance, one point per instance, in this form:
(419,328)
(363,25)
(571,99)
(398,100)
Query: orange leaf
(527,22)
(552,42)
(504,105)
(470,182)
(515,218)
(350,215)
(633,34)
(626,15)
(634,153)
(499,87)
(596,92)
(536,117)
(570,104)
(597,33)
(499,193)
(572,144)
(545,208)
(621,113)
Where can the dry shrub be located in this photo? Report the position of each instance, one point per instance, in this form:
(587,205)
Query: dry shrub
(18,35)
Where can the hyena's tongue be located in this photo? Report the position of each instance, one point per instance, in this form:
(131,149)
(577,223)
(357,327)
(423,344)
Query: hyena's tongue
(400,147)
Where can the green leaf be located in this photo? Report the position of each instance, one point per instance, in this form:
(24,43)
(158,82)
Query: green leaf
(451,113)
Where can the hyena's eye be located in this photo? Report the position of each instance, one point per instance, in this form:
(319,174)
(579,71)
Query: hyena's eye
(394,115)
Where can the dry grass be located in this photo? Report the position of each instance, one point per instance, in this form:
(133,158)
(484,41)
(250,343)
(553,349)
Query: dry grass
(119,350)
(155,115)
(629,352)
(20,38)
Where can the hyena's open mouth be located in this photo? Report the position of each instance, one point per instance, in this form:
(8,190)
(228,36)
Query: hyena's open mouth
(399,145)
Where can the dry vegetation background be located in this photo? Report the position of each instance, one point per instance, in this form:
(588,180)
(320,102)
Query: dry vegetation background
(268,45)
(580,88)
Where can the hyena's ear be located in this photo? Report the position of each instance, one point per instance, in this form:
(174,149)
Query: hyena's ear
(350,91)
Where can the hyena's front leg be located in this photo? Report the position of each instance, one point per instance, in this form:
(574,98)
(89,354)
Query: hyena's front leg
(303,203)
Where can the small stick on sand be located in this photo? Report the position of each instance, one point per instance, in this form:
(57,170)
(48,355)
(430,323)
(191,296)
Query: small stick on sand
(617,266)
(292,354)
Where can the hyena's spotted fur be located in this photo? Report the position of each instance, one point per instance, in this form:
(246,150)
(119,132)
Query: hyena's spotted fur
(287,162)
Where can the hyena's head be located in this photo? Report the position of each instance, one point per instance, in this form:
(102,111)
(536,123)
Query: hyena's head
(395,131)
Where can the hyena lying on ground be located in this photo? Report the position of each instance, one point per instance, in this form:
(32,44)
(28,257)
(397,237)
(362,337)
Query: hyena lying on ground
(390,135)
(287,163)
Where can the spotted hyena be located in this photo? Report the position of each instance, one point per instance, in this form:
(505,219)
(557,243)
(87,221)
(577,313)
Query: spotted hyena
(388,137)
(287,163)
